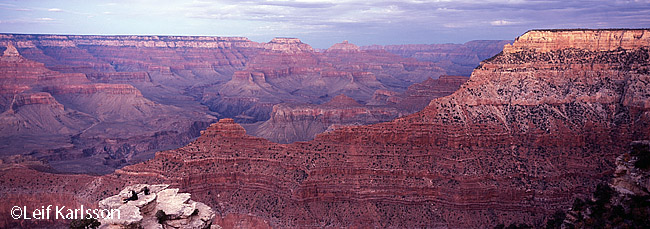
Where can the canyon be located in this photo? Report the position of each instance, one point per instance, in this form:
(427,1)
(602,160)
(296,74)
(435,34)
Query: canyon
(533,128)
(91,104)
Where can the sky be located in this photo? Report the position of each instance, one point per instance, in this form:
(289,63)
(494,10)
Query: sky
(321,23)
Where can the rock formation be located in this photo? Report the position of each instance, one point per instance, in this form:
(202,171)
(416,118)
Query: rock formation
(632,175)
(344,46)
(155,206)
(600,40)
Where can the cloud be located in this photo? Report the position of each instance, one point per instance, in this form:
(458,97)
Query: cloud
(55,10)
(45,19)
(501,22)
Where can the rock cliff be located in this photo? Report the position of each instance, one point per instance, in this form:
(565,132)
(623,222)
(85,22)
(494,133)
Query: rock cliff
(586,39)
(622,202)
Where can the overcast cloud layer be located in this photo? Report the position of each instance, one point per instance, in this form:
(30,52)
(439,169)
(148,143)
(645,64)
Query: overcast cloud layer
(321,23)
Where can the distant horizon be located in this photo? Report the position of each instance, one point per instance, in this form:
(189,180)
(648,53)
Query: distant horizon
(166,35)
(320,23)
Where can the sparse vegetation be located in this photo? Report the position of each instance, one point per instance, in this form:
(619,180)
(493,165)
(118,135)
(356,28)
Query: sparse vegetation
(642,152)
(161,216)
(86,223)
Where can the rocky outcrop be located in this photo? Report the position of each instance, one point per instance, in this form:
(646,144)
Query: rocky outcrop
(287,45)
(597,40)
(155,206)
(11,53)
(632,175)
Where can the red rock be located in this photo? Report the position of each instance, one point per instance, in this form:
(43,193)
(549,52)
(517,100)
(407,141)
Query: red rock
(36,98)
(288,45)
(593,40)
